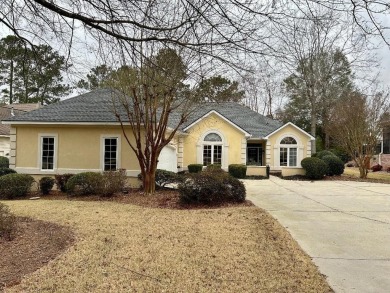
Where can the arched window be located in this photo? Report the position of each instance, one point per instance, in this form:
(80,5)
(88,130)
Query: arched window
(288,152)
(212,149)
(288,140)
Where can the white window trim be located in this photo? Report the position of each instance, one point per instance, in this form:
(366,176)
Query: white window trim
(40,137)
(118,150)
(298,146)
(223,143)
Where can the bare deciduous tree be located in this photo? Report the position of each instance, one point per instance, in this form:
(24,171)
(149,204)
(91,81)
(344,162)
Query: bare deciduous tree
(151,103)
(356,126)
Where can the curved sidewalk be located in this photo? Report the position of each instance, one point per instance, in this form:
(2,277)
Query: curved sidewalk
(343,225)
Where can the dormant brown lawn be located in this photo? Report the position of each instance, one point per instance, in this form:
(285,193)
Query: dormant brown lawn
(128,248)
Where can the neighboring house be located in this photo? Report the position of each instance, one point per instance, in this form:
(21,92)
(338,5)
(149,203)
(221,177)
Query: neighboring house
(384,154)
(7,111)
(82,134)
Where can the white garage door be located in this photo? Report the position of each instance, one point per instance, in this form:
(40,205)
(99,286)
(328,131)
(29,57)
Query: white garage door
(168,159)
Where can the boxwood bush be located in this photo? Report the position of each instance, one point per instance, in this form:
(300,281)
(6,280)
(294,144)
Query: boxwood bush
(195,168)
(237,170)
(164,177)
(211,188)
(322,154)
(212,167)
(46,184)
(315,168)
(335,166)
(5,171)
(61,180)
(86,183)
(4,162)
(15,185)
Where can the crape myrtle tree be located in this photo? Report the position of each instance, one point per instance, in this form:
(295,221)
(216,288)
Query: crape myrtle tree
(151,102)
(356,125)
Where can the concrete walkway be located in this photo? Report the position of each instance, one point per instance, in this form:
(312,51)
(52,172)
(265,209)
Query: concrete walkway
(343,225)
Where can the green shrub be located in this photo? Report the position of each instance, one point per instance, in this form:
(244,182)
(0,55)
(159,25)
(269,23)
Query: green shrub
(237,170)
(113,182)
(7,223)
(213,167)
(46,184)
(211,188)
(61,181)
(5,171)
(15,185)
(343,155)
(315,168)
(335,165)
(195,168)
(4,162)
(164,177)
(86,183)
(322,154)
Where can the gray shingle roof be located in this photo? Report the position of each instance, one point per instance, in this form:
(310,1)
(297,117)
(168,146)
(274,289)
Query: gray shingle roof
(97,106)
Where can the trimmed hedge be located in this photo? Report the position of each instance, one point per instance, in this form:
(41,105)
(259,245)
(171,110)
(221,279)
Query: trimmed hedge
(61,180)
(4,162)
(5,171)
(195,168)
(46,184)
(237,170)
(211,188)
(93,183)
(15,185)
(376,168)
(315,168)
(85,183)
(322,154)
(164,177)
(213,167)
(335,165)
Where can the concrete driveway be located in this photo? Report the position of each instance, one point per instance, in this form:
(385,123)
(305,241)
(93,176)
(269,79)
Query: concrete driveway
(343,225)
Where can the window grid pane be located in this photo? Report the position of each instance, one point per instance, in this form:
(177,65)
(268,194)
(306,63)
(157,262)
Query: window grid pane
(212,137)
(47,159)
(207,155)
(283,156)
(217,156)
(293,157)
(110,154)
(288,140)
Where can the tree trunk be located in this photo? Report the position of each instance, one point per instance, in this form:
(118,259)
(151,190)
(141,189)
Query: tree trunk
(11,82)
(313,126)
(150,182)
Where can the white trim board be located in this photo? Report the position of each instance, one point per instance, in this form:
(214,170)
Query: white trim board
(220,116)
(293,125)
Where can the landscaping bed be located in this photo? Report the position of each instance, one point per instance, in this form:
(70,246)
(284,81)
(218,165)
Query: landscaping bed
(135,248)
(35,244)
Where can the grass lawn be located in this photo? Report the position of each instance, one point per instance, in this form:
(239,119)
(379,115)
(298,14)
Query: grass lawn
(129,248)
(351,171)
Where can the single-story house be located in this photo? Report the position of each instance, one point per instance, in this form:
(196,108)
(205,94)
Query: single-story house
(7,111)
(82,134)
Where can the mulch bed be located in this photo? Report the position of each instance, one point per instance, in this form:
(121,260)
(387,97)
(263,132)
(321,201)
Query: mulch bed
(163,198)
(34,245)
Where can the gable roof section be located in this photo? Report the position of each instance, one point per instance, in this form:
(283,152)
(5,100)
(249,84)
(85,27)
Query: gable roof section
(293,125)
(222,117)
(96,107)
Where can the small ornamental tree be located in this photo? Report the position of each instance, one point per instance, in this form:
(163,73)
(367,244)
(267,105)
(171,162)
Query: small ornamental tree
(356,126)
(154,102)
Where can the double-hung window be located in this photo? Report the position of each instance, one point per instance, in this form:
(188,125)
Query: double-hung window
(288,152)
(110,153)
(48,152)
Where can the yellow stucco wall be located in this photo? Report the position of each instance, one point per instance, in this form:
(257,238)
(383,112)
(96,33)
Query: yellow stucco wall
(256,171)
(273,145)
(286,171)
(79,147)
(232,141)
